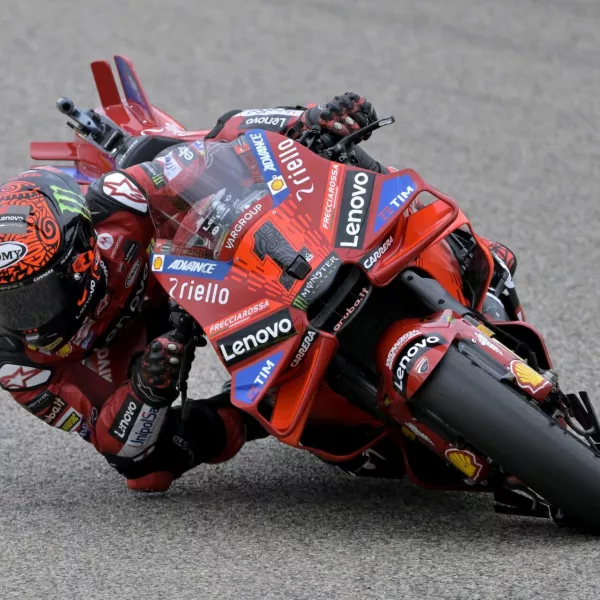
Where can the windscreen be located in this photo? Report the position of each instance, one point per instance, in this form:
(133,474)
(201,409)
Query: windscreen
(209,185)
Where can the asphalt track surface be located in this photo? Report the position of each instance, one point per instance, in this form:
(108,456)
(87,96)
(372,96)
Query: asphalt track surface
(497,105)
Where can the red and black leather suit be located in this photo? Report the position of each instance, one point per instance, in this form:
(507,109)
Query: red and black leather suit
(84,386)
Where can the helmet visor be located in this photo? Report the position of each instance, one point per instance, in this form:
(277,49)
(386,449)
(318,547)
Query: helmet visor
(32,306)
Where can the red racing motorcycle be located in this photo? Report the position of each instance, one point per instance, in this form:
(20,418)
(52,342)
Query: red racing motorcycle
(347,302)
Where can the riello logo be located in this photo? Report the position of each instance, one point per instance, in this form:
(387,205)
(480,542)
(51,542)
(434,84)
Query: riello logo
(257,337)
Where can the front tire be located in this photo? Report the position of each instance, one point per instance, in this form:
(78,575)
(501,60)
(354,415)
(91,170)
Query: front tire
(516,434)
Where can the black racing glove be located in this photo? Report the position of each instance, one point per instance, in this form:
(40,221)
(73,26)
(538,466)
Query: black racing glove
(156,375)
(340,116)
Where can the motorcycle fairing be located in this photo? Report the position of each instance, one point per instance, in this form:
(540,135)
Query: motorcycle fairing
(331,215)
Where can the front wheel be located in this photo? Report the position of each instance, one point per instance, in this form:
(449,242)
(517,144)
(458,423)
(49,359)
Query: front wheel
(516,434)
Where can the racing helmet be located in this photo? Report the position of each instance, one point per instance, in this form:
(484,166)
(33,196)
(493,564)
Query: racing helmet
(51,274)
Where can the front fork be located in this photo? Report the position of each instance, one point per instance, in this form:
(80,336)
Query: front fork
(411,349)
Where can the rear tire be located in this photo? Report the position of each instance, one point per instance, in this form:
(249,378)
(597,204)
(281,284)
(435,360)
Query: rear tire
(511,430)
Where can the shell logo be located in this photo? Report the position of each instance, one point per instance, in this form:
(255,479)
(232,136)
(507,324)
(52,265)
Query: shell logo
(465,461)
(158,262)
(277,184)
(64,351)
(527,378)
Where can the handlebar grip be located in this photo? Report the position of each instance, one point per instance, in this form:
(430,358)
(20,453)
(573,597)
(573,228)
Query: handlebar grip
(65,106)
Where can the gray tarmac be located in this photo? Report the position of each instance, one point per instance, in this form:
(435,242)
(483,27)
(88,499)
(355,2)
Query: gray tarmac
(497,105)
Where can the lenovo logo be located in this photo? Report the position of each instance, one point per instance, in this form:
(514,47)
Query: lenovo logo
(356,198)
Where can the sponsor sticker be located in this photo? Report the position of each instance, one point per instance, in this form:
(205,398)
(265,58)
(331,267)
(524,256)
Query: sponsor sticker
(171,168)
(69,421)
(155,173)
(316,283)
(198,267)
(18,377)
(125,191)
(102,304)
(527,378)
(331,199)
(41,402)
(410,354)
(364,292)
(211,293)
(256,337)
(308,340)
(289,157)
(125,419)
(268,166)
(13,219)
(11,253)
(416,432)
(274,122)
(372,259)
(465,461)
(395,193)
(133,273)
(241,224)
(56,408)
(262,112)
(130,250)
(64,351)
(158,262)
(83,331)
(105,241)
(238,318)
(356,198)
(146,427)
(483,340)
(251,380)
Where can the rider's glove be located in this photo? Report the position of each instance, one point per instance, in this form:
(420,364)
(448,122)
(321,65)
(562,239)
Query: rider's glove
(155,377)
(340,116)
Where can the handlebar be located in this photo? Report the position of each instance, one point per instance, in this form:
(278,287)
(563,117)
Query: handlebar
(340,150)
(96,129)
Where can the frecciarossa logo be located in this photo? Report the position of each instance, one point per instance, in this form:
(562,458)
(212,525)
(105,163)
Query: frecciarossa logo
(256,337)
(356,197)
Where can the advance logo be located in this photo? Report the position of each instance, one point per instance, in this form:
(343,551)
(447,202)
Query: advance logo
(356,197)
(186,265)
(268,165)
(256,337)
(394,195)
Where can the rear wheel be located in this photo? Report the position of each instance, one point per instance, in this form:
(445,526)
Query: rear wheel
(516,434)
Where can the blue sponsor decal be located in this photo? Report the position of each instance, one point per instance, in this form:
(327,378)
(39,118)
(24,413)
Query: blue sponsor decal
(268,165)
(130,84)
(86,342)
(394,195)
(76,174)
(199,144)
(250,381)
(188,265)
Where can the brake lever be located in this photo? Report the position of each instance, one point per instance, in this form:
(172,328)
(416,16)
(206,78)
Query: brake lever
(341,151)
(189,333)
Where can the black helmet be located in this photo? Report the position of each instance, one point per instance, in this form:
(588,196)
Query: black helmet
(51,274)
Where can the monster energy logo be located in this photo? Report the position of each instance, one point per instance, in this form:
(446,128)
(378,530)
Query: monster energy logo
(300,303)
(70,201)
(158,181)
